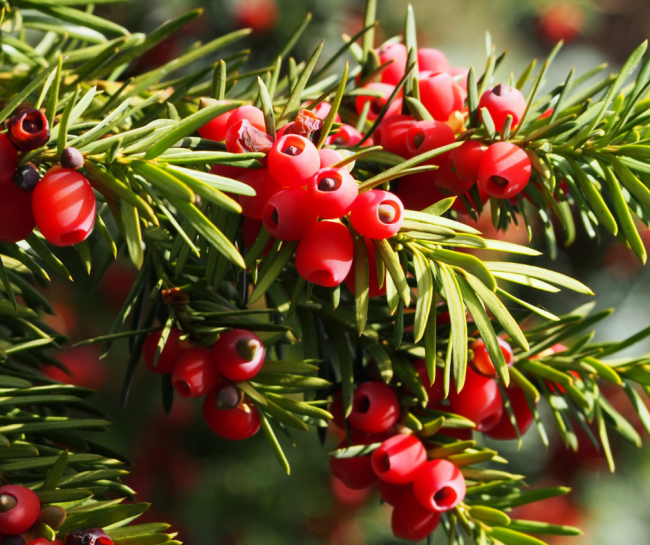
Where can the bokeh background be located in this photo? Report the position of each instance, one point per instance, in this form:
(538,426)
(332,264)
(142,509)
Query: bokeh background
(217,492)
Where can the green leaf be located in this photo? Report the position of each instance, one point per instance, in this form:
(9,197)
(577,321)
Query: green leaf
(275,268)
(26,90)
(295,36)
(62,495)
(535,527)
(538,273)
(391,260)
(293,103)
(77,17)
(361,281)
(133,233)
(369,19)
(340,342)
(467,262)
(458,324)
(267,108)
(425,295)
(512,537)
(56,472)
(275,445)
(331,115)
(104,517)
(489,515)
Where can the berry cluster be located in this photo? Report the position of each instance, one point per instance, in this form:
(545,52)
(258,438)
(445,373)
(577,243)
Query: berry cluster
(197,371)
(61,204)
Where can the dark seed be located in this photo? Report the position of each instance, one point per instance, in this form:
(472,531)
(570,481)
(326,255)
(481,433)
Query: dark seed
(386,213)
(328,184)
(291,151)
(228,398)
(72,158)
(274,216)
(500,181)
(26,177)
(418,139)
(501,90)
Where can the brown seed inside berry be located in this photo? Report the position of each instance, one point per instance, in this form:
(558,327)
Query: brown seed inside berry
(53,516)
(340,141)
(418,139)
(328,184)
(7,502)
(500,181)
(228,398)
(501,90)
(291,151)
(248,348)
(72,158)
(376,104)
(386,213)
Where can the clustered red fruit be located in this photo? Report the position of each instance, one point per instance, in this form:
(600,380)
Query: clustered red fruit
(196,371)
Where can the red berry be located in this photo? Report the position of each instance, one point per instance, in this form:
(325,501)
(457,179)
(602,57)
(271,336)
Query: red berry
(425,136)
(435,391)
(238,354)
(8,159)
(250,229)
(324,256)
(440,95)
(377,214)
(20,509)
(253,115)
(288,215)
(373,286)
(432,60)
(523,415)
(466,159)
(395,70)
(391,493)
(346,136)
(439,486)
(479,400)
(28,130)
(336,410)
(332,192)
(392,133)
(329,157)
(265,187)
(88,536)
(168,356)
(504,170)
(293,160)
(411,521)
(64,207)
(502,100)
(195,372)
(447,180)
(399,459)
(375,408)
(216,128)
(378,102)
(242,137)
(356,472)
(418,191)
(16,219)
(227,414)
(481,362)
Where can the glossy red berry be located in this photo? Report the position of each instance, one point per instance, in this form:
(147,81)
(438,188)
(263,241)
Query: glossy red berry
(395,70)
(168,356)
(64,207)
(324,256)
(293,160)
(504,429)
(392,134)
(88,536)
(504,170)
(447,180)
(479,400)
(378,102)
(250,229)
(242,137)
(399,459)
(253,115)
(373,285)
(411,521)
(377,214)
(19,509)
(435,391)
(346,136)
(216,128)
(16,218)
(481,362)
(195,372)
(8,159)
(418,191)
(265,187)
(288,215)
(355,472)
(502,100)
(329,157)
(28,130)
(425,136)
(227,413)
(466,159)
(375,408)
(439,486)
(440,95)
(391,493)
(332,192)
(432,60)
(238,354)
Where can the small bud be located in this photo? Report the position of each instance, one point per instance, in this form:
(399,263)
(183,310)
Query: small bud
(72,158)
(26,177)
(7,502)
(53,516)
(247,348)
(228,398)
(28,130)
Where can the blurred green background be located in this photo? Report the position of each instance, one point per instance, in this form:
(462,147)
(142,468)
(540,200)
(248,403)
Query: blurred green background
(217,492)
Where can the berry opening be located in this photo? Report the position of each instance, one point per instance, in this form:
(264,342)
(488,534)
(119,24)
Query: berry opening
(247,348)
(275,217)
(329,183)
(501,90)
(384,462)
(292,151)
(7,502)
(228,398)
(445,498)
(362,405)
(340,140)
(183,388)
(387,213)
(490,421)
(418,139)
(500,181)
(376,104)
